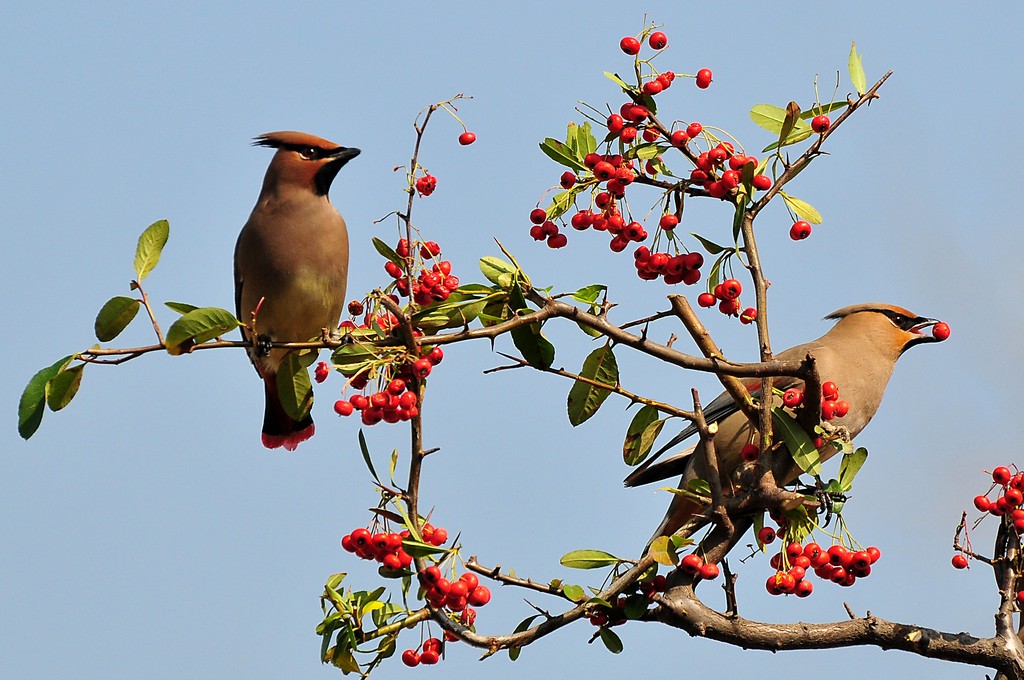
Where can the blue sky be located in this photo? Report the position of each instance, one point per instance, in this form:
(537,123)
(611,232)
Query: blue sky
(144,530)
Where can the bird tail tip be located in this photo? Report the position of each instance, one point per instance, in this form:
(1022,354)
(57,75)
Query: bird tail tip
(290,441)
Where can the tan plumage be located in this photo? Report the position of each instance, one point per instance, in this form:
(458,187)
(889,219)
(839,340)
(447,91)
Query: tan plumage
(858,354)
(291,263)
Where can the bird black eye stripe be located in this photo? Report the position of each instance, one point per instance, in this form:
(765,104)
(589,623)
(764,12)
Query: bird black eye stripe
(900,321)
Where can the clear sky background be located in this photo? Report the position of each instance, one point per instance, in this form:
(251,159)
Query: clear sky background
(144,532)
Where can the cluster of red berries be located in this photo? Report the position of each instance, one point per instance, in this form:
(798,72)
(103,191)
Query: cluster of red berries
(426,184)
(837,564)
(682,267)
(727,296)
(831,405)
(432,285)
(396,402)
(659,41)
(454,595)
(1008,503)
(694,565)
(381,547)
(615,615)
(711,171)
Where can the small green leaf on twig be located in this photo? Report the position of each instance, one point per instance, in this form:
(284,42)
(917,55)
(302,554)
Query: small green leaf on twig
(63,387)
(198,326)
(857,76)
(799,443)
(151,243)
(610,640)
(114,316)
(802,208)
(850,466)
(33,398)
(584,398)
(588,559)
(643,430)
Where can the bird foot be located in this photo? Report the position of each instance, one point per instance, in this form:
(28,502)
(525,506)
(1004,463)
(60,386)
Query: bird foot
(263,345)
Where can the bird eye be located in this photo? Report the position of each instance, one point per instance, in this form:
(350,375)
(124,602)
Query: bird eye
(309,152)
(898,319)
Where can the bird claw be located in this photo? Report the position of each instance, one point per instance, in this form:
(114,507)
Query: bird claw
(263,345)
(836,431)
(827,500)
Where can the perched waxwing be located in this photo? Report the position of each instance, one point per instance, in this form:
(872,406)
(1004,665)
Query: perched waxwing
(858,354)
(291,264)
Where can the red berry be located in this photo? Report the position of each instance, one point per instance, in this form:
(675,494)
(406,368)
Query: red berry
(425,185)
(750,453)
(435,355)
(630,45)
(762,182)
(766,535)
(467,138)
(704,78)
(567,180)
(538,215)
(829,390)
(803,588)
(982,503)
(691,564)
(480,596)
(793,397)
(842,408)
(658,40)
(874,553)
(439,536)
(731,289)
(355,308)
(668,222)
(430,249)
(1013,497)
(959,561)
(694,129)
(709,572)
(421,368)
(343,407)
(940,331)
(800,230)
(706,300)
(1001,475)
(410,658)
(748,315)
(557,241)
(820,123)
(429,658)
(653,87)
(678,138)
(322,371)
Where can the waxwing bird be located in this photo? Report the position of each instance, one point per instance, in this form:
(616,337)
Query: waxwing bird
(291,264)
(858,354)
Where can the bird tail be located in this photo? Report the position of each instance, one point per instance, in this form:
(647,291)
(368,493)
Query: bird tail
(280,429)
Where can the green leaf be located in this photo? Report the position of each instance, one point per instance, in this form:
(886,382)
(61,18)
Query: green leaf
(334,580)
(589,294)
(513,652)
(849,466)
(151,243)
(535,348)
(366,456)
(800,446)
(617,80)
(63,387)
(562,154)
(293,385)
(662,551)
(699,487)
(799,134)
(792,117)
(181,307)
(610,640)
(385,250)
(643,430)
(33,399)
(421,549)
(117,313)
(574,593)
(585,141)
(857,76)
(768,117)
(198,326)
(588,559)
(803,209)
(584,398)
(498,271)
(710,246)
(636,606)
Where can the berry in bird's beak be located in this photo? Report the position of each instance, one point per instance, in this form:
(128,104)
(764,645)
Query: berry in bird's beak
(940,331)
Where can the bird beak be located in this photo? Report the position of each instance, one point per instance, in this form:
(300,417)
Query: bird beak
(343,155)
(919,336)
